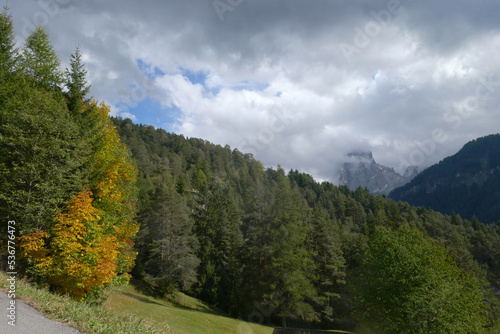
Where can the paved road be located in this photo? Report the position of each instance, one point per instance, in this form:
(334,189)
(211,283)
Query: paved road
(29,320)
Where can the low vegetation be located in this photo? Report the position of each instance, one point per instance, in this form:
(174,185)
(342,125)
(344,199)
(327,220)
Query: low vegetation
(87,317)
(127,311)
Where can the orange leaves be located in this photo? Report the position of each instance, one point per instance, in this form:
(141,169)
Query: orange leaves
(90,243)
(114,178)
(79,255)
(80,213)
(33,245)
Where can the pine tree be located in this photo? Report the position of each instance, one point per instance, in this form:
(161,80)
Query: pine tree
(280,268)
(181,185)
(291,266)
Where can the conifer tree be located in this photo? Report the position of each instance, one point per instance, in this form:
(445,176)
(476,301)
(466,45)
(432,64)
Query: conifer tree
(75,79)
(8,51)
(168,241)
(43,162)
(329,261)
(40,61)
(291,267)
(217,228)
(278,260)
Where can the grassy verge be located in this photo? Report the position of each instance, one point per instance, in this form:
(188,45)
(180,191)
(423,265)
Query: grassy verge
(87,318)
(128,311)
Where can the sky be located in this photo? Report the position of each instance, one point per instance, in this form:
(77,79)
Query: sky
(300,83)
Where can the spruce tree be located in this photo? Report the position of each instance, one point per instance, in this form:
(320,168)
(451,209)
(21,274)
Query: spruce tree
(171,247)
(76,83)
(280,266)
(43,161)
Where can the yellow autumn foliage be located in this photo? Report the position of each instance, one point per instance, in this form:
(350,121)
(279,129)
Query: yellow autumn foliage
(90,243)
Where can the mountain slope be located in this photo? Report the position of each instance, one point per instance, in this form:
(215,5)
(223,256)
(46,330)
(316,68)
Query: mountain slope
(363,171)
(467,183)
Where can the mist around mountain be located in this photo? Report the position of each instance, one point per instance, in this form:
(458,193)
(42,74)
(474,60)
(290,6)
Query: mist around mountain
(363,171)
(467,183)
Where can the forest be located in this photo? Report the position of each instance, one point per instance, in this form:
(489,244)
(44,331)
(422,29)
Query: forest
(467,183)
(98,200)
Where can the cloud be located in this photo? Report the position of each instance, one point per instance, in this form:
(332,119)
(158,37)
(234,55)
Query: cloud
(272,77)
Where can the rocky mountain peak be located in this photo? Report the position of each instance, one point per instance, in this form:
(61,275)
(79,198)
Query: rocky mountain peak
(361,170)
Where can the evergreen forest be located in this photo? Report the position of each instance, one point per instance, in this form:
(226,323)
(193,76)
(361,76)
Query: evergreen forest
(99,200)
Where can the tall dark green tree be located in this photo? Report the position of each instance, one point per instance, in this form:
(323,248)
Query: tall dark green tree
(76,82)
(329,261)
(217,228)
(278,256)
(168,245)
(8,54)
(291,267)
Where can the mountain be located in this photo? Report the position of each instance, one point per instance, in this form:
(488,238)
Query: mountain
(363,171)
(467,183)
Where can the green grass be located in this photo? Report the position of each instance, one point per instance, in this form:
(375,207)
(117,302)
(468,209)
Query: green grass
(183,314)
(128,311)
(87,318)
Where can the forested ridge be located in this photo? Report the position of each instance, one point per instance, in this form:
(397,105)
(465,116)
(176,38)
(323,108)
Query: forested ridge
(95,198)
(262,239)
(467,182)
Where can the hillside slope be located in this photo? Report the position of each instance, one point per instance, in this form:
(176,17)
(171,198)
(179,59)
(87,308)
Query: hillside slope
(467,183)
(278,247)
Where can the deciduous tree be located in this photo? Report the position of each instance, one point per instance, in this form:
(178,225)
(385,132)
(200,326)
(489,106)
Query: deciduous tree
(40,61)
(410,284)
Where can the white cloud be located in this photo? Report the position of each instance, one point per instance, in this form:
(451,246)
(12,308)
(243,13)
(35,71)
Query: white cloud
(276,81)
